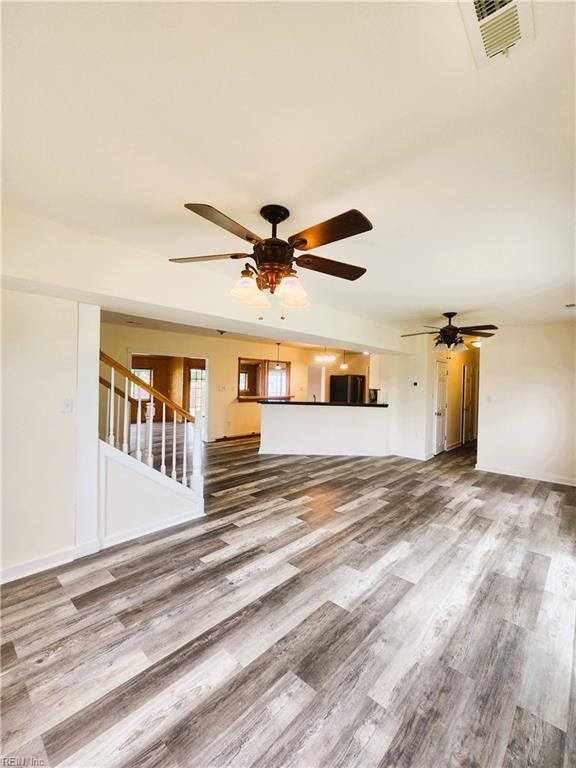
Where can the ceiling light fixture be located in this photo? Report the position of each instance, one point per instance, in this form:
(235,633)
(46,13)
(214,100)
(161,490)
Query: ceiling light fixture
(278,367)
(344,365)
(325,358)
(460,346)
(245,287)
(258,301)
(440,346)
(477,344)
(275,258)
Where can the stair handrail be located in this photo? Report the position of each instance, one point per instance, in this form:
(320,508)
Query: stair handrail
(104,358)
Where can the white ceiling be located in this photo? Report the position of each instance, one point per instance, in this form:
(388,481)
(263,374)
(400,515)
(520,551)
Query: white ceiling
(115,114)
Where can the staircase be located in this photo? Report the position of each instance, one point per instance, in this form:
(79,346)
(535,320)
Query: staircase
(150,457)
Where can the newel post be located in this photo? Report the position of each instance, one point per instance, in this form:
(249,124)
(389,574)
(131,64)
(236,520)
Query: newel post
(197,480)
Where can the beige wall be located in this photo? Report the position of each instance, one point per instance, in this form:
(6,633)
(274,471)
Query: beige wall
(39,369)
(527,394)
(226,416)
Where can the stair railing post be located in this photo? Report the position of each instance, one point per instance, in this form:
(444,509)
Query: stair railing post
(125,436)
(163,460)
(149,430)
(197,481)
(174,475)
(138,425)
(185,454)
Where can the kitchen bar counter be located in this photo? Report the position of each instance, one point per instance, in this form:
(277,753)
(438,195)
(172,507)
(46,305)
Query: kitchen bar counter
(311,402)
(289,428)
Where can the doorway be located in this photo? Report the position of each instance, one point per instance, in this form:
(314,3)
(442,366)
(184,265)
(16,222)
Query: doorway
(183,379)
(469,415)
(316,383)
(440,406)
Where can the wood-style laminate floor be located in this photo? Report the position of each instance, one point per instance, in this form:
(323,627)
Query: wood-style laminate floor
(341,612)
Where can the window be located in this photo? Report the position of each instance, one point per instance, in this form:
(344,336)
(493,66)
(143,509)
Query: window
(277,380)
(198,390)
(259,379)
(146,375)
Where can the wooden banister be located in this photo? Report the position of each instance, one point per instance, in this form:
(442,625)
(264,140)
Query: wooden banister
(119,368)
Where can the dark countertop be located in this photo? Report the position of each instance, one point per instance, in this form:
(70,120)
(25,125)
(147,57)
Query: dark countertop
(311,402)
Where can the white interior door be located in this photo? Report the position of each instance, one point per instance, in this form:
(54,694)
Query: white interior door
(440,407)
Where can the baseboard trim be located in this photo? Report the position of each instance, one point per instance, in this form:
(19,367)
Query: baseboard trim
(87,548)
(528,476)
(282,452)
(39,564)
(144,530)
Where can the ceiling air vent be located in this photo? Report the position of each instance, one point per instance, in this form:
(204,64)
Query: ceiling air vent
(495,26)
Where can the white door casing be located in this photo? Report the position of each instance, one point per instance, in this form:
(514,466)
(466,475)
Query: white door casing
(440,406)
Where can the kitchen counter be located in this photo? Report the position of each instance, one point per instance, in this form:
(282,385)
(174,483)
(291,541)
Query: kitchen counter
(311,402)
(335,429)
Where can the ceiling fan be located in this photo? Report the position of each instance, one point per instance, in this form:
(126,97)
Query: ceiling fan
(451,335)
(275,258)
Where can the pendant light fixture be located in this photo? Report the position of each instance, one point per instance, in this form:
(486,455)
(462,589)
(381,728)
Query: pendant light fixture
(278,367)
(325,358)
(344,364)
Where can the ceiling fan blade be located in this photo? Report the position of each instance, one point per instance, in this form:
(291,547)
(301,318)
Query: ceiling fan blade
(330,267)
(479,328)
(432,326)
(219,218)
(476,333)
(422,333)
(217,256)
(345,225)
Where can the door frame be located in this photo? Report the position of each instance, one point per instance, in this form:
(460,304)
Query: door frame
(440,365)
(135,352)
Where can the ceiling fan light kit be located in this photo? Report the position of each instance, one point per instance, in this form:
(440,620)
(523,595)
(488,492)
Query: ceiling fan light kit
(275,258)
(450,338)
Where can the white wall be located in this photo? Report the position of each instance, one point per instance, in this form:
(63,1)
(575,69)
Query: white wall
(527,394)
(404,382)
(136,500)
(39,364)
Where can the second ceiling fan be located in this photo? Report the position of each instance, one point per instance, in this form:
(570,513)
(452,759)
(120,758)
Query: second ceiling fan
(274,258)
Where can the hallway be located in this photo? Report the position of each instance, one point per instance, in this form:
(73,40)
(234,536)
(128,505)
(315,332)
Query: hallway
(349,612)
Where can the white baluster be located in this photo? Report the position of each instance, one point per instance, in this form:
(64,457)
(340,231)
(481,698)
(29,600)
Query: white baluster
(138,424)
(149,430)
(111,420)
(184,458)
(118,416)
(174,475)
(105,435)
(126,432)
(163,461)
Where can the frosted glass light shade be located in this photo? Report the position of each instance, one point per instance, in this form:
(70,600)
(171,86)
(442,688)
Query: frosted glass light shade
(258,301)
(244,288)
(295,302)
(440,346)
(460,346)
(291,287)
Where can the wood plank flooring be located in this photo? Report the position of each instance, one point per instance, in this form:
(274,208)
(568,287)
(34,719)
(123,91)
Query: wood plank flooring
(328,612)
